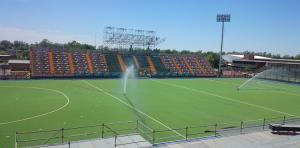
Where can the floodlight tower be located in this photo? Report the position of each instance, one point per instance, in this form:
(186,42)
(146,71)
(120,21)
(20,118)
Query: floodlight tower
(222,18)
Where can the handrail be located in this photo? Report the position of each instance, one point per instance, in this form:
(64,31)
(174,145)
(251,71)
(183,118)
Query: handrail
(156,136)
(121,62)
(167,130)
(51,63)
(89,62)
(71,64)
(151,65)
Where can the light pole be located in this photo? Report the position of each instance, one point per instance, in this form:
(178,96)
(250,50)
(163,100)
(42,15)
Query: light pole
(222,18)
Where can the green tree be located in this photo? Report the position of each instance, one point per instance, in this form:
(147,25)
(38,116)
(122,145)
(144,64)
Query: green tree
(212,58)
(45,43)
(5,45)
(185,52)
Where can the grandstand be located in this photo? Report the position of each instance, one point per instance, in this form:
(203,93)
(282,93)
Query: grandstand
(75,63)
(62,63)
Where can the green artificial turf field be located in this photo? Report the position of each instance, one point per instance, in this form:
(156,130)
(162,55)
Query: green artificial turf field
(161,104)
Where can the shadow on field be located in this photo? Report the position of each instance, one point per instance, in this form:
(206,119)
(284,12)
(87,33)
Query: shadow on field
(138,115)
(261,89)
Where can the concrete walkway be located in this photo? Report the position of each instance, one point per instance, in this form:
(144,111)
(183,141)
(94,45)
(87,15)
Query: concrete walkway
(263,139)
(107,143)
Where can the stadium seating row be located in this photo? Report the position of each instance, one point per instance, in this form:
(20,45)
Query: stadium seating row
(93,63)
(187,65)
(232,73)
(40,62)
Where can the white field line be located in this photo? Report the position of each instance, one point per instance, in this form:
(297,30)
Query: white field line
(223,97)
(137,110)
(223,82)
(232,122)
(40,115)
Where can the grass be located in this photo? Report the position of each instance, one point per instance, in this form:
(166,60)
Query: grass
(159,103)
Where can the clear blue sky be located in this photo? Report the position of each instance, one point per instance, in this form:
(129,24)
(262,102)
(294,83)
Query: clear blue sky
(257,25)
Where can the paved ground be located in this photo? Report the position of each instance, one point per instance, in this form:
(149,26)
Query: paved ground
(107,143)
(263,139)
(254,137)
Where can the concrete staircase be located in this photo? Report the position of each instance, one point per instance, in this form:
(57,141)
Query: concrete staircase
(151,65)
(121,62)
(51,63)
(89,62)
(71,64)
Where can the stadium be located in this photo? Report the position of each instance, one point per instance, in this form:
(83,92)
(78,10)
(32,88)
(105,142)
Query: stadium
(129,94)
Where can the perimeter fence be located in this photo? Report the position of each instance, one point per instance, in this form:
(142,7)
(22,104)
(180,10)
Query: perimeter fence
(67,136)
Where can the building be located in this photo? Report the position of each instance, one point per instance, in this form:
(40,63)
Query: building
(276,69)
(15,69)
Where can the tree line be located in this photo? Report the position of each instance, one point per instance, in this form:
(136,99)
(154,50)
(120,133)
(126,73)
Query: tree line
(21,49)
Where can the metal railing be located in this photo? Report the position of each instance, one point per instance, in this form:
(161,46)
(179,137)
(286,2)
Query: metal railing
(154,137)
(68,135)
(215,130)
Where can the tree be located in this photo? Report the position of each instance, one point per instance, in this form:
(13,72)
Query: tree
(5,45)
(156,50)
(73,44)
(276,56)
(45,43)
(168,51)
(185,52)
(212,58)
(20,45)
(287,57)
(21,49)
(86,46)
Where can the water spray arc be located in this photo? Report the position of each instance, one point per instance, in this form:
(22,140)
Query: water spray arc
(258,75)
(129,73)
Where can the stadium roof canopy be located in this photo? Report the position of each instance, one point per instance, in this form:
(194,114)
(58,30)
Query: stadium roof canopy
(294,62)
(5,55)
(18,62)
(231,57)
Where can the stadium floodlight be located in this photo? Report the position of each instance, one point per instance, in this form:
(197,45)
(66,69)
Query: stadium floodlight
(222,18)
(114,37)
